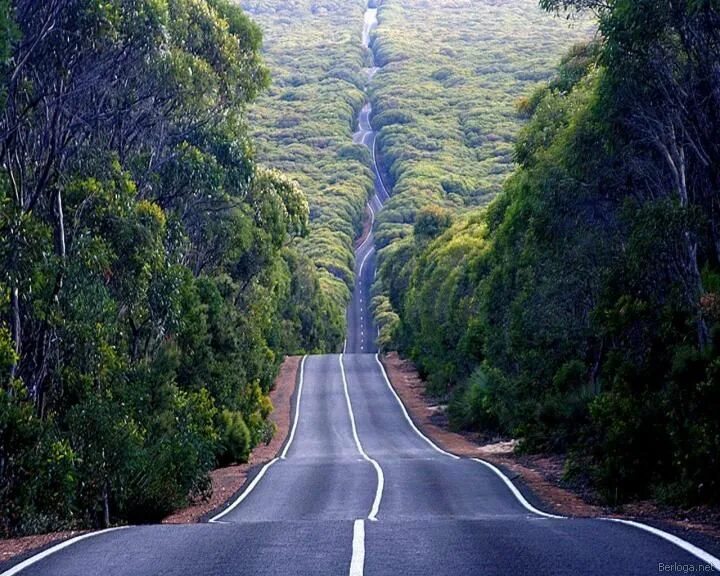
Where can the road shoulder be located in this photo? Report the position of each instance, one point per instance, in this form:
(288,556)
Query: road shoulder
(537,477)
(226,482)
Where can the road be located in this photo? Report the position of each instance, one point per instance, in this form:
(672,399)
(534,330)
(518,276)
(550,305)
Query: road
(361,332)
(359,490)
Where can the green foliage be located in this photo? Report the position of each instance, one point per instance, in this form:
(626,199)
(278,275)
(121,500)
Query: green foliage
(471,404)
(444,101)
(234,445)
(430,222)
(387,320)
(150,280)
(39,472)
(580,309)
(303,126)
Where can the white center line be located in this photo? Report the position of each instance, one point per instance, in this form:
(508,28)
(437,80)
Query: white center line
(357,564)
(381,477)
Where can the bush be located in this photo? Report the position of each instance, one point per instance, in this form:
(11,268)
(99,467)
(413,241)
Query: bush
(38,479)
(234,444)
(471,405)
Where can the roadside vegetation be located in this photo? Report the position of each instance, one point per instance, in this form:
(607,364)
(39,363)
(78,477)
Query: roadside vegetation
(303,125)
(445,98)
(579,311)
(150,279)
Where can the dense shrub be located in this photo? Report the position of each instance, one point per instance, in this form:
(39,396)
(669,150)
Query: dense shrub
(235,441)
(150,275)
(579,310)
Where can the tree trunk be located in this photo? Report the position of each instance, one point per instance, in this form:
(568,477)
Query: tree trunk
(106,505)
(697,290)
(16,329)
(59,242)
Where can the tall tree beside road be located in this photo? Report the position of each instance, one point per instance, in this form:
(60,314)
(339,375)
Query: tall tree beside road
(149,282)
(588,291)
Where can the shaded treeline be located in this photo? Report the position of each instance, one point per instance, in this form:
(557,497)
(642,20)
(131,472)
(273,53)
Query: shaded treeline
(149,283)
(444,103)
(579,312)
(304,124)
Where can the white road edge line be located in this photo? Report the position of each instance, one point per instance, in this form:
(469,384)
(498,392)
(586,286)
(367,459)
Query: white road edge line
(687,546)
(215,519)
(297,408)
(357,563)
(407,416)
(518,495)
(381,477)
(699,553)
(364,260)
(377,168)
(372,223)
(45,553)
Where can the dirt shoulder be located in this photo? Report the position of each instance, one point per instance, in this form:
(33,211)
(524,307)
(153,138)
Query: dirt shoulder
(226,482)
(539,477)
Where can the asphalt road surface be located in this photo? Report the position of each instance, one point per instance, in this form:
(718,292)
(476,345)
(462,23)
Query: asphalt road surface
(358,490)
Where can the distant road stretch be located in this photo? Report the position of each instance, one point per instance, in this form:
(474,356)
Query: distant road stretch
(358,490)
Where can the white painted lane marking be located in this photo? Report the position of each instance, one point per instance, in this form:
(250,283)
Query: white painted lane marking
(381,477)
(407,416)
(45,553)
(265,468)
(357,563)
(687,546)
(362,264)
(699,553)
(518,495)
(297,408)
(377,169)
(245,494)
(372,223)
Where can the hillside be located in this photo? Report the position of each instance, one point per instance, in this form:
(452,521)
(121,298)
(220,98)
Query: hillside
(303,126)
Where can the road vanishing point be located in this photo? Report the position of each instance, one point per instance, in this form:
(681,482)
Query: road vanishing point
(358,489)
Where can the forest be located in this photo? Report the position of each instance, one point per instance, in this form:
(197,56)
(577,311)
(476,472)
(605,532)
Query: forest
(579,310)
(152,270)
(444,99)
(303,126)
(180,195)
(445,107)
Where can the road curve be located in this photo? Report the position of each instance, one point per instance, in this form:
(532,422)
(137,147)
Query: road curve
(359,490)
(437,514)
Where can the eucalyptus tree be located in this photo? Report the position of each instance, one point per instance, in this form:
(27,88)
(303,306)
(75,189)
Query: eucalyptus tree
(145,258)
